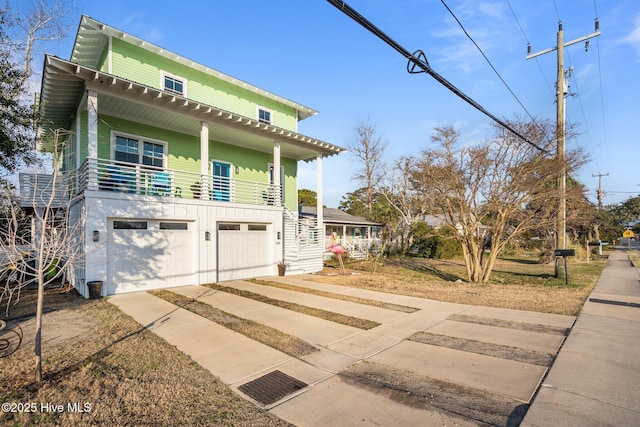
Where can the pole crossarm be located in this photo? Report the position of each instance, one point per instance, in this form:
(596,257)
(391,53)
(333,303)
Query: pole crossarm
(569,43)
(419,60)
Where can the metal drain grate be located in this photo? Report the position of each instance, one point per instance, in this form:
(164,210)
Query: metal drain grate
(271,387)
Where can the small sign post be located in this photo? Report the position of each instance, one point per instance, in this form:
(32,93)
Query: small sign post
(564,253)
(628,234)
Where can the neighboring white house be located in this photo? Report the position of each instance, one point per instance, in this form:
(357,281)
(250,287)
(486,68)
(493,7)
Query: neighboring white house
(182,174)
(437,221)
(358,235)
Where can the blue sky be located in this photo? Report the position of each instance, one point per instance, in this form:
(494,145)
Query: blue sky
(310,52)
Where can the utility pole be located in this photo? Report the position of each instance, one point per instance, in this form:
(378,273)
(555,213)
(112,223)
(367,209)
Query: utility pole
(600,192)
(561,92)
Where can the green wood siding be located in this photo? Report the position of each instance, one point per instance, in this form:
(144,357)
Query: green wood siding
(184,153)
(137,64)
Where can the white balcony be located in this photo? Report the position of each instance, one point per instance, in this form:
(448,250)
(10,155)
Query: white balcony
(134,179)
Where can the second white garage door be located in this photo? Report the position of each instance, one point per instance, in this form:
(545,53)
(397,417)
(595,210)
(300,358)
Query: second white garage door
(244,251)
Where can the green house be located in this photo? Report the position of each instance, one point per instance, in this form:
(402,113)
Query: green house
(179,173)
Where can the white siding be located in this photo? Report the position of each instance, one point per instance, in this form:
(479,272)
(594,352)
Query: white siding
(102,208)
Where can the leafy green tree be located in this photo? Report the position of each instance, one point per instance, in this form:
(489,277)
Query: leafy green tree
(628,212)
(354,203)
(16,115)
(307,197)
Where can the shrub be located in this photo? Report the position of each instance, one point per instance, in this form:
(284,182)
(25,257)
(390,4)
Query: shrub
(434,243)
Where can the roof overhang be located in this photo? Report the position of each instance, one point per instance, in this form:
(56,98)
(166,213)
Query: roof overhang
(93,36)
(64,84)
(332,216)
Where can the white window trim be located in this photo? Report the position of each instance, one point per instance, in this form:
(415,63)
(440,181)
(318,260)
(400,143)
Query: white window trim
(164,74)
(226,162)
(141,139)
(258,108)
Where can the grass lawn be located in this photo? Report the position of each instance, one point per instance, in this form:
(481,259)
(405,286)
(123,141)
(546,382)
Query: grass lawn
(517,283)
(94,354)
(634,257)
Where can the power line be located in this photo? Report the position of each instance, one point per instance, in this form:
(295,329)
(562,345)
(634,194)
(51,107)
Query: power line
(418,64)
(604,123)
(487,59)
(556,7)
(544,76)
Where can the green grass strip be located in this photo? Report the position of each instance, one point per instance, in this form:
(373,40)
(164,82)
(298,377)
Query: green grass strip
(285,343)
(311,311)
(349,298)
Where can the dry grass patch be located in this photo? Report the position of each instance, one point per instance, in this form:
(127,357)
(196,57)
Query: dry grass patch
(519,284)
(286,343)
(126,375)
(349,298)
(488,349)
(634,257)
(311,311)
(429,394)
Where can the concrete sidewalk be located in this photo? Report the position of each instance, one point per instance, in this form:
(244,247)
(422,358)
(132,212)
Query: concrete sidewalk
(595,380)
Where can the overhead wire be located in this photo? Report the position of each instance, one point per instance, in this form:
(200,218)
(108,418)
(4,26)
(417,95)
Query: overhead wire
(544,76)
(604,122)
(418,60)
(487,59)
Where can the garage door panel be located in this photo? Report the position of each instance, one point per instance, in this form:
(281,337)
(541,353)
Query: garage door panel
(151,258)
(244,253)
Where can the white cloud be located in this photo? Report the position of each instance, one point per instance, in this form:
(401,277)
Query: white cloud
(633,38)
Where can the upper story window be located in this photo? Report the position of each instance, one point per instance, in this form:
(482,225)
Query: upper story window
(136,150)
(174,84)
(264,115)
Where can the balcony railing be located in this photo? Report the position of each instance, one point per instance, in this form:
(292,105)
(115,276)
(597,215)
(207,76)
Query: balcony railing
(128,178)
(357,247)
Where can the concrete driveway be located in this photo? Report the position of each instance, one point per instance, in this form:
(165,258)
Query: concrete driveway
(354,377)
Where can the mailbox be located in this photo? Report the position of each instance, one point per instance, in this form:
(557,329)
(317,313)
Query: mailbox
(565,252)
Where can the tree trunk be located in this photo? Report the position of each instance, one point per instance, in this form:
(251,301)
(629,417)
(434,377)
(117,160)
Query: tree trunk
(38,344)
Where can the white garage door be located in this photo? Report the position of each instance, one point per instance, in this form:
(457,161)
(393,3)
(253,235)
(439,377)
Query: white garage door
(244,251)
(150,254)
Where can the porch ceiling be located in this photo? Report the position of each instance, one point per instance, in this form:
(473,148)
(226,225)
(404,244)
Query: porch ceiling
(63,86)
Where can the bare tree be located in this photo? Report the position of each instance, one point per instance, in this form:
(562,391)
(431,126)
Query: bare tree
(491,193)
(369,149)
(41,21)
(400,192)
(51,248)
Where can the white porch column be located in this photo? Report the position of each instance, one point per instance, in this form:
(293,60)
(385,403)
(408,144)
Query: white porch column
(92,142)
(276,174)
(78,132)
(204,160)
(319,197)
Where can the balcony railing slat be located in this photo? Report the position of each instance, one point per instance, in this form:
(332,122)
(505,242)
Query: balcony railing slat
(131,178)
